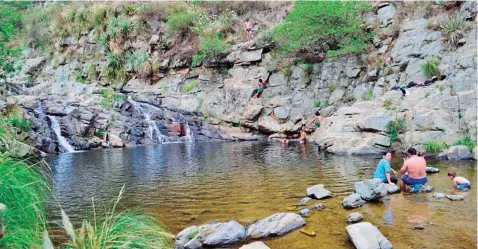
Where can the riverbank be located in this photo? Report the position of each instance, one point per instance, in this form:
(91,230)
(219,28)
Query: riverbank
(193,184)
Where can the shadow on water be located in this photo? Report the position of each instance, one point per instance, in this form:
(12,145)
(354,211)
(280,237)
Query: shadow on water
(195,183)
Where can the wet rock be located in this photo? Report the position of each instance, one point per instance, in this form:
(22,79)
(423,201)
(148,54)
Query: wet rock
(354,217)
(318,192)
(419,227)
(305,212)
(458,152)
(352,201)
(307,232)
(275,225)
(392,189)
(319,206)
(364,235)
(370,190)
(439,195)
(212,234)
(432,170)
(304,201)
(255,245)
(455,197)
(423,189)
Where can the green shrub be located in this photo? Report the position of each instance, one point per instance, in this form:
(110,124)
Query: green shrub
(468,142)
(387,104)
(113,60)
(332,89)
(394,127)
(100,133)
(317,103)
(453,29)
(309,71)
(313,24)
(430,68)
(210,48)
(191,86)
(21,124)
(287,73)
(433,146)
(137,61)
(179,23)
(266,37)
(118,26)
(103,42)
(369,94)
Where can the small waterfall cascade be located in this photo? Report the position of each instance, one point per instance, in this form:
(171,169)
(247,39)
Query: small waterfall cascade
(55,126)
(147,110)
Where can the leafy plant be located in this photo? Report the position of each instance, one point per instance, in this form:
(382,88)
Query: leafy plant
(309,71)
(287,72)
(430,68)
(434,146)
(179,23)
(210,48)
(332,89)
(266,37)
(369,94)
(101,133)
(21,124)
(468,142)
(191,86)
(394,127)
(453,28)
(333,25)
(317,103)
(138,61)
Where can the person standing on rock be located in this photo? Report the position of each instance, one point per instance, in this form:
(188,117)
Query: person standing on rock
(384,169)
(414,170)
(248,29)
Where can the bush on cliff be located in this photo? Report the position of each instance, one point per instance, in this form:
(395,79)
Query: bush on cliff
(210,48)
(336,27)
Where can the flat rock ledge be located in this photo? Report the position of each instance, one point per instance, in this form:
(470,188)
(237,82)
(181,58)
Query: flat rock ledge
(318,192)
(364,235)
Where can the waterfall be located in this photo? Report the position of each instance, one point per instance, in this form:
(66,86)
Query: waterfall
(55,126)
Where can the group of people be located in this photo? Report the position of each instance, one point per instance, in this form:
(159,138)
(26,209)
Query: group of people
(414,172)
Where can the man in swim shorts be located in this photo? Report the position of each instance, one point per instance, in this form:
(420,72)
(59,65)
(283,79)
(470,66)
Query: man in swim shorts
(248,29)
(414,170)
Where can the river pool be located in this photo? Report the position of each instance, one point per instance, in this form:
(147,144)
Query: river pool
(195,183)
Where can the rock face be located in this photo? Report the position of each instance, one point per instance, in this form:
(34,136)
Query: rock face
(275,225)
(370,190)
(318,192)
(458,152)
(353,201)
(364,235)
(455,197)
(354,217)
(214,234)
(255,245)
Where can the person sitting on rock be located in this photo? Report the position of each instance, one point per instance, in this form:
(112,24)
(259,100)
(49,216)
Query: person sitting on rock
(384,169)
(460,183)
(260,89)
(318,119)
(414,170)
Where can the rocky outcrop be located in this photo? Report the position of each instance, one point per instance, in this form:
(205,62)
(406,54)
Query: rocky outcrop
(458,152)
(364,235)
(275,225)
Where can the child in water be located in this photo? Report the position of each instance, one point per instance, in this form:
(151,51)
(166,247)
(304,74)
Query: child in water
(460,183)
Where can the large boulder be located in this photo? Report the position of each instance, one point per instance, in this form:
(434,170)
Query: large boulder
(255,245)
(318,192)
(275,225)
(210,235)
(114,140)
(370,190)
(458,152)
(364,235)
(392,189)
(352,201)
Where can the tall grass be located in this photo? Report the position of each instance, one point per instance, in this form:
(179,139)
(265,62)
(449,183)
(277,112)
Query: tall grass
(453,29)
(117,230)
(394,127)
(434,146)
(430,68)
(468,142)
(24,190)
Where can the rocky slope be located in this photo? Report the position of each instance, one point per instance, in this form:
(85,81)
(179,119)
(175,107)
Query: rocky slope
(216,101)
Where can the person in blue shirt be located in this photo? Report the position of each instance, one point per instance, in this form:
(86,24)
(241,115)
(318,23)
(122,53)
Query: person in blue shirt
(384,169)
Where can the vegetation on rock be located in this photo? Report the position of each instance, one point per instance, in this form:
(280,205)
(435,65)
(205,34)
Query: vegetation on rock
(430,68)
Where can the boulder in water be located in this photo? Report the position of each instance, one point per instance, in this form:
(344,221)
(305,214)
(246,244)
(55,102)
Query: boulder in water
(304,201)
(255,245)
(392,189)
(370,190)
(275,225)
(431,170)
(319,206)
(455,197)
(305,212)
(213,234)
(354,217)
(318,192)
(364,235)
(352,201)
(439,195)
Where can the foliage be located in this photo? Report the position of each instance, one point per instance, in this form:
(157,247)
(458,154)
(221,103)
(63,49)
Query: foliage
(191,86)
(468,142)
(394,127)
(179,23)
(24,190)
(331,89)
(266,37)
(387,104)
(309,71)
(369,94)
(101,133)
(324,25)
(287,73)
(430,68)
(434,146)
(137,61)
(210,48)
(109,97)
(453,28)
(21,124)
(117,230)
(317,103)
